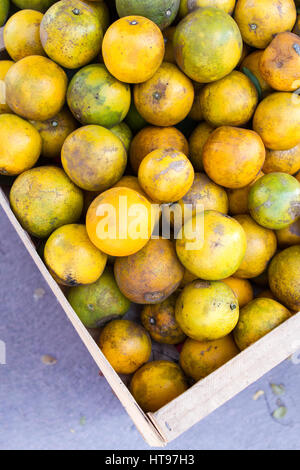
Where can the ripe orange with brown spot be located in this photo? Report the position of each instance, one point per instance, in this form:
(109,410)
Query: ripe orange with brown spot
(126,345)
(241,288)
(151,275)
(152,138)
(159,321)
(133,49)
(232,157)
(280,62)
(198,359)
(290,235)
(166,175)
(156,384)
(261,247)
(166,98)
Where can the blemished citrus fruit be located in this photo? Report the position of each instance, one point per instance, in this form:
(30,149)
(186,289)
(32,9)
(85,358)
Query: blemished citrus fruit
(71,33)
(207,311)
(150,275)
(198,359)
(100,302)
(161,12)
(126,345)
(72,258)
(156,384)
(20,145)
(242,289)
(44,199)
(5,65)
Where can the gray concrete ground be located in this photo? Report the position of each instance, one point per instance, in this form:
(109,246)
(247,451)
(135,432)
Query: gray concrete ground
(68,406)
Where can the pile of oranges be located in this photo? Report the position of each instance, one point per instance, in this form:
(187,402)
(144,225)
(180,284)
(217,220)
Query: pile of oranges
(119,118)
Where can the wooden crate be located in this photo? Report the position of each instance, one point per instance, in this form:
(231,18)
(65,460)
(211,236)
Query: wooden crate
(205,396)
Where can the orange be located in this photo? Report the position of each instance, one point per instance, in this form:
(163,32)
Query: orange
(230,101)
(126,345)
(22,34)
(20,145)
(152,138)
(232,157)
(159,321)
(242,290)
(5,65)
(156,384)
(238,198)
(166,98)
(197,141)
(168,34)
(252,63)
(150,275)
(196,111)
(71,33)
(261,247)
(72,258)
(54,132)
(280,62)
(116,230)
(198,359)
(166,175)
(133,49)
(94,158)
(285,161)
(260,21)
(36,88)
(186,6)
(290,235)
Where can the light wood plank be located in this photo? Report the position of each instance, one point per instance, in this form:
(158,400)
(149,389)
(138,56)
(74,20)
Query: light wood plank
(219,387)
(140,419)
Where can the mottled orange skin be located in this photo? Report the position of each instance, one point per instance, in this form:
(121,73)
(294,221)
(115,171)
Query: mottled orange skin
(151,275)
(54,132)
(280,62)
(166,175)
(159,321)
(22,34)
(20,145)
(72,258)
(198,359)
(168,34)
(166,98)
(94,158)
(286,161)
(260,21)
(133,49)
(119,244)
(261,247)
(230,101)
(238,198)
(284,277)
(232,157)
(36,88)
(252,63)
(207,45)
(152,138)
(126,345)
(197,141)
(257,319)
(101,10)
(71,33)
(217,251)
(196,111)
(290,235)
(203,195)
(207,311)
(5,65)
(156,384)
(242,290)
(277,119)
